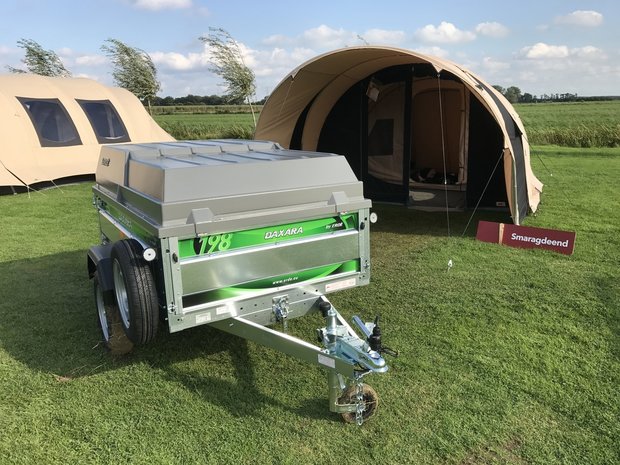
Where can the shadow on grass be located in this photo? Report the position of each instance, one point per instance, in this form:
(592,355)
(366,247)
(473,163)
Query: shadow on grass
(241,397)
(401,220)
(48,322)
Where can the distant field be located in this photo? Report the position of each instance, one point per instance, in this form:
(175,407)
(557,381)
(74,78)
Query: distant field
(224,119)
(207,125)
(570,113)
(203,109)
(580,124)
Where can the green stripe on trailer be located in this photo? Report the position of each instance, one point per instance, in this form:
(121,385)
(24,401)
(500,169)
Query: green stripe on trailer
(126,221)
(273,282)
(253,237)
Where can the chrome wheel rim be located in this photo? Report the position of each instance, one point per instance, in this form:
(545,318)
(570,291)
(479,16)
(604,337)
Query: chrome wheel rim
(121,293)
(101,311)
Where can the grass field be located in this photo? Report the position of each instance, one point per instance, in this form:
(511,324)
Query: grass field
(207,125)
(510,357)
(579,124)
(203,109)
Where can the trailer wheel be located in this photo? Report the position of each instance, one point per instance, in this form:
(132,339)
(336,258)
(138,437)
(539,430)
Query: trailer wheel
(135,292)
(369,398)
(114,338)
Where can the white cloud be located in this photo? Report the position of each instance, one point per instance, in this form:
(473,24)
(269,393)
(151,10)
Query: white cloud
(589,53)
(544,68)
(445,33)
(178,71)
(542,51)
(325,37)
(270,65)
(156,5)
(179,62)
(273,65)
(583,18)
(4,50)
(201,60)
(492,29)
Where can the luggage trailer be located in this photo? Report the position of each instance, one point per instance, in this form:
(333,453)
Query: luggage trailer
(240,235)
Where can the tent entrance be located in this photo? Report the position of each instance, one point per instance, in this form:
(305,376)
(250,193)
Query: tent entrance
(439,129)
(403,131)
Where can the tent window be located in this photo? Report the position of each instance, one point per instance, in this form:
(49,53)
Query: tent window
(105,121)
(51,122)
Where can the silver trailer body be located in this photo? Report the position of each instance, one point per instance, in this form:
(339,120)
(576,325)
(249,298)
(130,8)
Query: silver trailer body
(241,234)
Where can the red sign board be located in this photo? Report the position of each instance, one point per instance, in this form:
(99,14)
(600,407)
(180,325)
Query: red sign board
(526,237)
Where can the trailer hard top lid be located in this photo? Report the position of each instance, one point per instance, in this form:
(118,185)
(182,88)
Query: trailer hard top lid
(203,182)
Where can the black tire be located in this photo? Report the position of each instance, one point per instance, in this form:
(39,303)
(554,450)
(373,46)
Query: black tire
(114,338)
(135,292)
(370,399)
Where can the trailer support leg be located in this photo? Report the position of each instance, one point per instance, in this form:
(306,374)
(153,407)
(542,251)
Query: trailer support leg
(346,357)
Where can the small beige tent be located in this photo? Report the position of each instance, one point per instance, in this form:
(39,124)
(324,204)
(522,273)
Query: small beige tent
(52,128)
(412,127)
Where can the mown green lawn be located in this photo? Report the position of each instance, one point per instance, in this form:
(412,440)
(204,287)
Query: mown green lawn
(511,356)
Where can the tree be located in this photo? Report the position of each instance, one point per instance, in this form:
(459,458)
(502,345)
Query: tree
(527,98)
(513,94)
(133,70)
(40,61)
(500,89)
(228,63)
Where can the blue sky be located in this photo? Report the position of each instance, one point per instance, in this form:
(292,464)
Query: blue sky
(543,46)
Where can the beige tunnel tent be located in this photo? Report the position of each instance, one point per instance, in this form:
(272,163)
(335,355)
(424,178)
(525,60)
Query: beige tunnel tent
(413,127)
(53,128)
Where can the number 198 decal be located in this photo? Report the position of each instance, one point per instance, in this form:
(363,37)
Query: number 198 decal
(210,244)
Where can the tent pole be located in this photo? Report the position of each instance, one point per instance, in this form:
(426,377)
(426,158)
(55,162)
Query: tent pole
(443,152)
(363,131)
(407,122)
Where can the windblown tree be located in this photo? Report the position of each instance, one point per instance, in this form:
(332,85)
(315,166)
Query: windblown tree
(40,61)
(227,61)
(133,70)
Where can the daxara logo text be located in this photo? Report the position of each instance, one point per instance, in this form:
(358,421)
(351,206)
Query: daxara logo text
(284,233)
